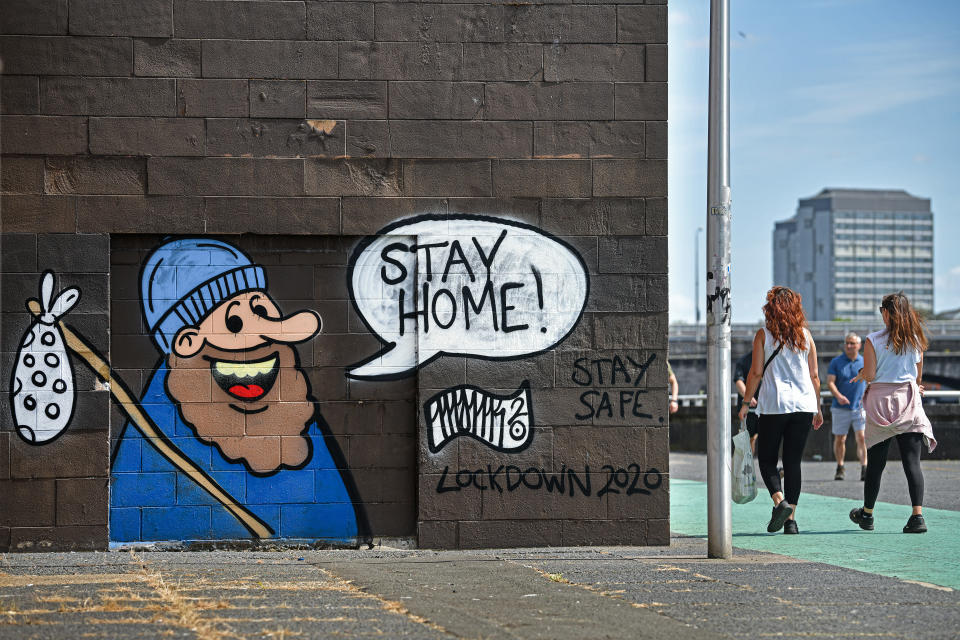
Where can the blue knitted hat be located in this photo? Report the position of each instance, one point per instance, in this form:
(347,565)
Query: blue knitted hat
(184,280)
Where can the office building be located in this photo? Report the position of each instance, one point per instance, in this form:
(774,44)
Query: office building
(846,248)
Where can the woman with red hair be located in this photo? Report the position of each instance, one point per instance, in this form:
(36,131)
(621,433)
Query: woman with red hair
(785,359)
(893,370)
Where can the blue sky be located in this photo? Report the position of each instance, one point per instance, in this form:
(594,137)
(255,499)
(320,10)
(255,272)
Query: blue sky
(824,93)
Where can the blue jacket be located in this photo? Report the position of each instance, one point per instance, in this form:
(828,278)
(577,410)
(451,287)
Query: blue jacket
(151,500)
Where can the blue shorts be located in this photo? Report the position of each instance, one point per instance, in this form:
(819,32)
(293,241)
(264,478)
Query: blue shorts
(843,419)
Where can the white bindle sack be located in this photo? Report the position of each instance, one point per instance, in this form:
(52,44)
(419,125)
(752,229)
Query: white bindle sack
(42,390)
(744,482)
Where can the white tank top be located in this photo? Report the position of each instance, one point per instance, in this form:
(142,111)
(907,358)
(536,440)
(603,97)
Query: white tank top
(786,384)
(893,367)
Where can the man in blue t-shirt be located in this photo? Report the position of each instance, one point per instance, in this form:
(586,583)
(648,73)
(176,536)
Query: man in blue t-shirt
(847,408)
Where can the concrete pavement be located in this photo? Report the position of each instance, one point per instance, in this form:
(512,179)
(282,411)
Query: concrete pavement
(661,593)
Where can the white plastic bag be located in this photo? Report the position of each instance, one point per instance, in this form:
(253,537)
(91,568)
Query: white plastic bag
(744,482)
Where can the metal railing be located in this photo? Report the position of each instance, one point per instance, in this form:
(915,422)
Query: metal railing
(820,328)
(698,399)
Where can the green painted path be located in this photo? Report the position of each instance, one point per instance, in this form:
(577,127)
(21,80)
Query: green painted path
(828,536)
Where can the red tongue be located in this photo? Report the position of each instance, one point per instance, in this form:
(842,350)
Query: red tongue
(247,390)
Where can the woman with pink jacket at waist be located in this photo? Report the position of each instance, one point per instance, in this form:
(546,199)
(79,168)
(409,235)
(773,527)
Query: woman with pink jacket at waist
(893,369)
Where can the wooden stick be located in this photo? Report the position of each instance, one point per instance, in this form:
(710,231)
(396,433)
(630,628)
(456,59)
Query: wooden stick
(151,432)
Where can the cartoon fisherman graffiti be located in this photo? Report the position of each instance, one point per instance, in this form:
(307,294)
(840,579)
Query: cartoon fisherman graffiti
(230,397)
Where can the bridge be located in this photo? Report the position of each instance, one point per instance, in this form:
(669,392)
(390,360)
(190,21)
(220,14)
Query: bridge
(688,350)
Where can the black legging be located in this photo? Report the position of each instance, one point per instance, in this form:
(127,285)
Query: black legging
(910,444)
(792,430)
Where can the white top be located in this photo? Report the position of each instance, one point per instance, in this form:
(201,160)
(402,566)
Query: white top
(786,384)
(893,367)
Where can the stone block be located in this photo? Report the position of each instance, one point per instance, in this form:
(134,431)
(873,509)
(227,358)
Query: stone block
(346,99)
(353,177)
(641,101)
(28,503)
(658,448)
(354,417)
(278,99)
(507,375)
(437,534)
(272,215)
(108,96)
(476,456)
(166,57)
(46,539)
(656,140)
(82,501)
(521,209)
(18,254)
(368,390)
(43,135)
(399,61)
(392,519)
(549,101)
(415,22)
(363,216)
(502,61)
(145,18)
(633,254)
(446,178)
(275,138)
(276,59)
(593,63)
(617,293)
(656,63)
(368,139)
(79,454)
(658,532)
(21,175)
(545,178)
(436,100)
(644,24)
(33,213)
(74,253)
(460,139)
(441,373)
(341,21)
(570,23)
(593,216)
(589,139)
(629,178)
(35,17)
(629,331)
(381,451)
(225,176)
(213,98)
(656,216)
(603,532)
(246,20)
(650,497)
(495,534)
(147,136)
(583,445)
(20,95)
(62,55)
(138,214)
(449,505)
(89,175)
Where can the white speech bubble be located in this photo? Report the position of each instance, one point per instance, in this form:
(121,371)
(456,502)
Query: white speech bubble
(466,285)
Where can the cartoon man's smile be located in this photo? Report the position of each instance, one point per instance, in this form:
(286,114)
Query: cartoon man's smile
(246,381)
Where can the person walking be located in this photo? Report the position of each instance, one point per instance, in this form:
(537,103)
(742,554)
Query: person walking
(785,360)
(846,410)
(893,371)
(674,388)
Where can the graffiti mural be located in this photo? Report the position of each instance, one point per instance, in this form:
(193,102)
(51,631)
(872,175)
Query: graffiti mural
(230,396)
(466,285)
(502,422)
(42,393)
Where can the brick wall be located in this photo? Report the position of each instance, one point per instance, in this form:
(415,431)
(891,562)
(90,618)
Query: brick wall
(283,126)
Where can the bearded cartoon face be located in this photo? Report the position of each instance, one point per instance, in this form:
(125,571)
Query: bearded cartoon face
(237,381)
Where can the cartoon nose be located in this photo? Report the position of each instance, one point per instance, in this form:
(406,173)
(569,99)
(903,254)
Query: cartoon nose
(296,327)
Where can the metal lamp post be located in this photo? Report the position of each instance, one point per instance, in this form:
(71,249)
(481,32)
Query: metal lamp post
(719,535)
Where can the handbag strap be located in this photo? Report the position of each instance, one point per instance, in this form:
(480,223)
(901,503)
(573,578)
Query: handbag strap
(767,364)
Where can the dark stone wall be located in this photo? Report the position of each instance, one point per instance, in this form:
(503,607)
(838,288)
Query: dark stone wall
(287,126)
